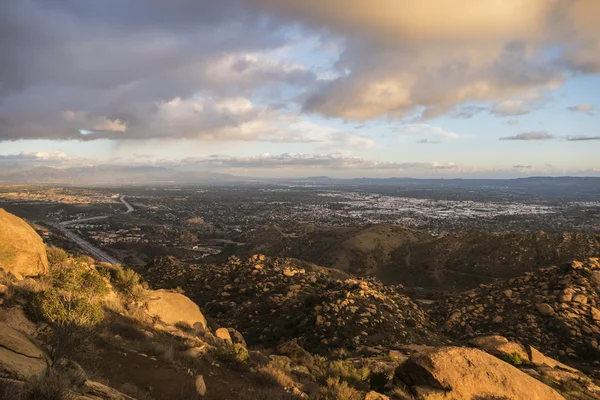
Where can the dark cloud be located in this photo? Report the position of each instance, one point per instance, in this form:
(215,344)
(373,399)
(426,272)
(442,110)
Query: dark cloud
(533,135)
(582,138)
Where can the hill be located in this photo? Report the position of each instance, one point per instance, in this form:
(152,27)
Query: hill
(449,263)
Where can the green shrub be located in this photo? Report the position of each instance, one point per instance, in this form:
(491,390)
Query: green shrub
(48,387)
(516,359)
(126,281)
(378,380)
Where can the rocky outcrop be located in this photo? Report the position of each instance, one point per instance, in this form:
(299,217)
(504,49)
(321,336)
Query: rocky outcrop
(455,373)
(19,358)
(22,251)
(91,390)
(172,308)
(554,309)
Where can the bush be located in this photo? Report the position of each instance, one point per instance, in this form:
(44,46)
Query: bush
(338,390)
(126,281)
(233,355)
(356,376)
(48,387)
(71,304)
(56,256)
(516,359)
(378,380)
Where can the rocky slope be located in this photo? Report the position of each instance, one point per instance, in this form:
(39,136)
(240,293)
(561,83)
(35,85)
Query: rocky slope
(271,300)
(555,309)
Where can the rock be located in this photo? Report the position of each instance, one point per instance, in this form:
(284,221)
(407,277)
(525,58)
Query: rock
(508,293)
(463,373)
(200,386)
(373,395)
(174,307)
(595,313)
(97,391)
(197,352)
(537,358)
(3,290)
(545,309)
(499,346)
(22,251)
(70,369)
(223,333)
(296,353)
(15,318)
(580,298)
(19,357)
(236,337)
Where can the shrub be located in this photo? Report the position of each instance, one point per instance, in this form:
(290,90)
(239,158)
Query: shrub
(56,256)
(378,380)
(234,355)
(336,389)
(72,303)
(273,375)
(516,359)
(48,387)
(184,327)
(356,376)
(126,281)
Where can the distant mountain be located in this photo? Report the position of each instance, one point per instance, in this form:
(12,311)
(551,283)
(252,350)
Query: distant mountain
(109,175)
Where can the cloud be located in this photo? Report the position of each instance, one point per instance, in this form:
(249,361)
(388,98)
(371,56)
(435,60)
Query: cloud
(581,138)
(431,133)
(513,122)
(436,54)
(533,135)
(118,68)
(428,141)
(584,108)
(522,166)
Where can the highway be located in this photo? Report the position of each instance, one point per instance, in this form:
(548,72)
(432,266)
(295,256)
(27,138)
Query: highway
(85,245)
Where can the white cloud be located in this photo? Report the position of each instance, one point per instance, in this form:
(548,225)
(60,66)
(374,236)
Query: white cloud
(429,133)
(533,135)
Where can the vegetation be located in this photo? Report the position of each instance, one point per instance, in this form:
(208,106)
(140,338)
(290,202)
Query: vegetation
(128,282)
(72,301)
(337,389)
(234,355)
(344,371)
(516,359)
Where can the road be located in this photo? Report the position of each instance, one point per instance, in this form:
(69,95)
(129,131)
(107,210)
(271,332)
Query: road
(85,245)
(129,206)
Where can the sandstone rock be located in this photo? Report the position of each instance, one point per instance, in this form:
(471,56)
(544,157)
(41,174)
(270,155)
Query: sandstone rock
(200,386)
(462,373)
(174,307)
(223,333)
(537,358)
(22,251)
(580,298)
(499,346)
(545,309)
(373,395)
(19,357)
(595,313)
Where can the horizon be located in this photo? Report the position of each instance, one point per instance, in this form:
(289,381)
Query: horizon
(271,89)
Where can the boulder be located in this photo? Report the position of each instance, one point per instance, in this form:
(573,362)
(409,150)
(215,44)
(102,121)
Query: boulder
(223,334)
(545,309)
(15,318)
(22,251)
(456,373)
(19,357)
(173,307)
(499,346)
(200,386)
(237,337)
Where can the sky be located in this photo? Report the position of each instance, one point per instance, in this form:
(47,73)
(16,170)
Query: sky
(291,88)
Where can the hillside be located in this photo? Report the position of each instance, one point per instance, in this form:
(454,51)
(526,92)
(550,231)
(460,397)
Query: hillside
(449,263)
